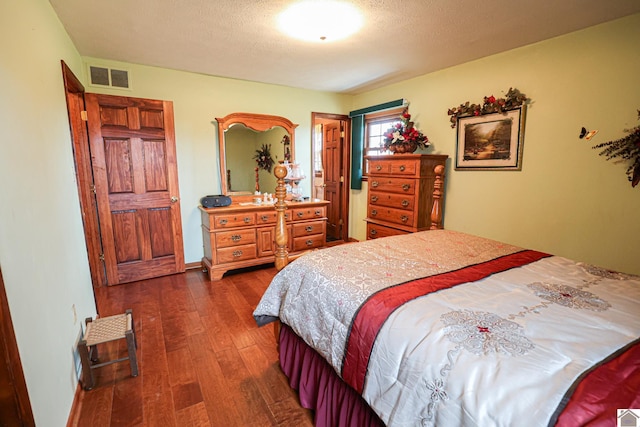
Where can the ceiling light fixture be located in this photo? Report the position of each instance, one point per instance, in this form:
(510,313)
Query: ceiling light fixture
(320,21)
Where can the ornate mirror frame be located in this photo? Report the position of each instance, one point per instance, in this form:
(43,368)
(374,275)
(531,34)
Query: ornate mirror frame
(257,122)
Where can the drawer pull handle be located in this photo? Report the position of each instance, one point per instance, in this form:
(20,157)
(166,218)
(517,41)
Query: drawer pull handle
(373,232)
(374,184)
(404,218)
(406,187)
(300,214)
(236,237)
(374,199)
(264,218)
(309,242)
(374,212)
(402,168)
(237,253)
(378,167)
(309,228)
(405,203)
(247,220)
(223,222)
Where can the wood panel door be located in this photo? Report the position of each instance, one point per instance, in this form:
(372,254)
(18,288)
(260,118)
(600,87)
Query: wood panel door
(134,166)
(333,178)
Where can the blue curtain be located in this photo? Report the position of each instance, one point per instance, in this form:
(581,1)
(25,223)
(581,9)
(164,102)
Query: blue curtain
(357,138)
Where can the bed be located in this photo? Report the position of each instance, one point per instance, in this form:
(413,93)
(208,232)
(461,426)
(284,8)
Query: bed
(448,329)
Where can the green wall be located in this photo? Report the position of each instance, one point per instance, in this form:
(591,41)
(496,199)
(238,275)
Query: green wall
(197,101)
(566,200)
(42,249)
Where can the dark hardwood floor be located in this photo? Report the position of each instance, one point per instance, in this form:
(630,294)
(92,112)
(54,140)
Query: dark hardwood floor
(202,359)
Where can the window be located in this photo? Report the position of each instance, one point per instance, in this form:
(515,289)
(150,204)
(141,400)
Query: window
(376,124)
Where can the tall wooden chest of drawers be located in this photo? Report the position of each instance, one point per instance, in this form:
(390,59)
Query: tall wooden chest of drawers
(400,195)
(242,234)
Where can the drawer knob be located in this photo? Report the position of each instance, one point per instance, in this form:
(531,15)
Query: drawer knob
(223,222)
(374,198)
(318,212)
(237,253)
(309,242)
(402,168)
(378,167)
(404,218)
(374,212)
(406,187)
(264,218)
(236,237)
(373,232)
(247,220)
(300,214)
(405,203)
(374,184)
(309,228)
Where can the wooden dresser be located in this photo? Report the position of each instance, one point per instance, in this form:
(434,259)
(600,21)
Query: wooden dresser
(400,195)
(242,234)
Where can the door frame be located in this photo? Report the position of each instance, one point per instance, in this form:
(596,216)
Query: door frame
(320,118)
(11,358)
(74,91)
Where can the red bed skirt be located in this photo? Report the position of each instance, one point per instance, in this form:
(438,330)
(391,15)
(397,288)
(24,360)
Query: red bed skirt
(320,388)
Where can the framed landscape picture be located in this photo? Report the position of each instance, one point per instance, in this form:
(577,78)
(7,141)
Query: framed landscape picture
(491,141)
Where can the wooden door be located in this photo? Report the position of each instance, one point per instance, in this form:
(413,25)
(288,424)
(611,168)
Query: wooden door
(333,178)
(134,166)
(15,407)
(84,175)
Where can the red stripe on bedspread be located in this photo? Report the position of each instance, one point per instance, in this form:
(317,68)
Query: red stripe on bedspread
(375,311)
(612,385)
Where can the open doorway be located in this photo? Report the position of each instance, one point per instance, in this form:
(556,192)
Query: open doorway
(331,156)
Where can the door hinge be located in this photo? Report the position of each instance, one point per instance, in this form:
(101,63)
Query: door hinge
(342,178)
(83,115)
(93,188)
(341,134)
(101,257)
(340,222)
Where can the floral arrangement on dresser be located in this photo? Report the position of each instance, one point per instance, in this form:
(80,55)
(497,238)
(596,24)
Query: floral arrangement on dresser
(513,99)
(403,137)
(625,149)
(263,157)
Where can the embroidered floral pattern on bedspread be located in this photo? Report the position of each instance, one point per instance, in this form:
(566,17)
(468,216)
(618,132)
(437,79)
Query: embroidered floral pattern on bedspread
(569,296)
(481,333)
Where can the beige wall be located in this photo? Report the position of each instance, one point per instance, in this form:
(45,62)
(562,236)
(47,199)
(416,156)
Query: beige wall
(566,200)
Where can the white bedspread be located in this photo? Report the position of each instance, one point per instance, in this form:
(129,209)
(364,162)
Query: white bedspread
(499,351)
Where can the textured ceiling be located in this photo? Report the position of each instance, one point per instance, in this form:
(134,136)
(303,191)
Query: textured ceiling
(400,39)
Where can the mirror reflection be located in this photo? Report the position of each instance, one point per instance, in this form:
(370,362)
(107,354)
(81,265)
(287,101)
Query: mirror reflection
(243,146)
(250,145)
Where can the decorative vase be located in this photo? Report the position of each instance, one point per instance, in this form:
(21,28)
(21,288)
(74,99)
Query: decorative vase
(403,148)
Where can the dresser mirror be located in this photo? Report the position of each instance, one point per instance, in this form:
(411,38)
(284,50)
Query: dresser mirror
(240,136)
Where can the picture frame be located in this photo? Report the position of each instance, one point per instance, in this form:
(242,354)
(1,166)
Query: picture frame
(491,141)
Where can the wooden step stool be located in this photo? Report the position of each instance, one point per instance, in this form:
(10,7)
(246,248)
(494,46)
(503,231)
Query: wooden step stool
(103,330)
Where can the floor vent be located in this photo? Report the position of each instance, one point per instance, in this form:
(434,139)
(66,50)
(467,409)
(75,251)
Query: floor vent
(109,77)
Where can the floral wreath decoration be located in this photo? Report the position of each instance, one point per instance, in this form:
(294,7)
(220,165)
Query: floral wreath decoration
(513,99)
(263,157)
(625,149)
(404,135)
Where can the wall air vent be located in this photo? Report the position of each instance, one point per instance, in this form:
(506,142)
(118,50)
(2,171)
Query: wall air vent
(109,77)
